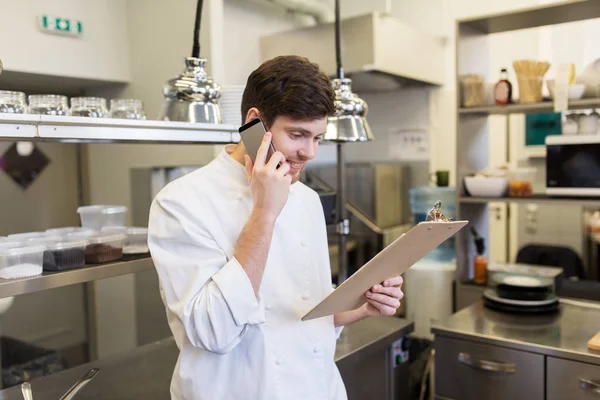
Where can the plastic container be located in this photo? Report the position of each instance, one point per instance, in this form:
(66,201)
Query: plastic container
(101,247)
(21,262)
(61,254)
(100,216)
(520,182)
(136,242)
(472,90)
(63,232)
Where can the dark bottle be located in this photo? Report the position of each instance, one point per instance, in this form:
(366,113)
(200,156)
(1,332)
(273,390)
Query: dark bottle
(503,89)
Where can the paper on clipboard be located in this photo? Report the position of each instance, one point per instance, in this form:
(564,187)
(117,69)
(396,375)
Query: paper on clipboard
(395,259)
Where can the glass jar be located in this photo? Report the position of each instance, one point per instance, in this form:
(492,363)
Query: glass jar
(48,104)
(94,107)
(12,102)
(127,109)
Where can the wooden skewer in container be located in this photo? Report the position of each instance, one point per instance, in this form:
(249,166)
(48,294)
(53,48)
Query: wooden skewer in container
(530,77)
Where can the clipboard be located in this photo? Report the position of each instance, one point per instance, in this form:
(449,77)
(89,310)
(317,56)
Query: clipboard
(395,259)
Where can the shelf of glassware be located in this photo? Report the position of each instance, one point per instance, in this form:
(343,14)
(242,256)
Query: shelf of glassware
(109,130)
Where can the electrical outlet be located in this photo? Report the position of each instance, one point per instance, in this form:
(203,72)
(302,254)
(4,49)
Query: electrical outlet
(409,144)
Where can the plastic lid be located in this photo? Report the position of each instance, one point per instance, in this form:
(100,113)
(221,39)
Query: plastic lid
(114,229)
(43,240)
(68,229)
(66,244)
(9,245)
(97,237)
(18,251)
(25,236)
(134,230)
(129,230)
(101,209)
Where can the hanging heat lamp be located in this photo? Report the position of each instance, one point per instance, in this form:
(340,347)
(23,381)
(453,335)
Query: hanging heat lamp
(348,124)
(193,96)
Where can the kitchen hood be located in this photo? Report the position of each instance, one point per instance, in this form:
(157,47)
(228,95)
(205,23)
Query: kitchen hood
(380,52)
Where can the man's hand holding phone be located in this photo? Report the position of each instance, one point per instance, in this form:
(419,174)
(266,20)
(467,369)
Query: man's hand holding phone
(270,185)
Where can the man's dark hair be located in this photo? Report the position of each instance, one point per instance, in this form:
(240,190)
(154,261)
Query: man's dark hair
(291,86)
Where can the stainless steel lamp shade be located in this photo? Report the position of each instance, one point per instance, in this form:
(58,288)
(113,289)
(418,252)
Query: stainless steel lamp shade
(192,96)
(349,123)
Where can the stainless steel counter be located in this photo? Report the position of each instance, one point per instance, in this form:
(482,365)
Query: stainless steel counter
(564,334)
(145,373)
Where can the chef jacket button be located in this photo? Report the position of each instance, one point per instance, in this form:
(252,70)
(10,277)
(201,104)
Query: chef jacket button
(305,295)
(279,361)
(303,243)
(316,350)
(240,197)
(268,307)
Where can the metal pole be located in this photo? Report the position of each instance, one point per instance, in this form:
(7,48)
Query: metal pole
(343,226)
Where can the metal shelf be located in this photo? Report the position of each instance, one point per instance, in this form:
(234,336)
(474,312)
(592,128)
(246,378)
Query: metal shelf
(534,17)
(536,198)
(108,130)
(546,106)
(52,280)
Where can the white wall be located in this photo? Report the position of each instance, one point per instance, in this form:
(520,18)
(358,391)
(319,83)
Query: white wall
(102,52)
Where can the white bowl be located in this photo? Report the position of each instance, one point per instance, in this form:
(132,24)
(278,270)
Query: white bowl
(575,91)
(486,186)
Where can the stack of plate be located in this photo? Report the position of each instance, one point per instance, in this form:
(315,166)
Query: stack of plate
(231,104)
(516,293)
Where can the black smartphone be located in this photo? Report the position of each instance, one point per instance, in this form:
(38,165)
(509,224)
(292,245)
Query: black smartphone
(252,135)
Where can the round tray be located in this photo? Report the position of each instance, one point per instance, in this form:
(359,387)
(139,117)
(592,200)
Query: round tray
(491,294)
(522,281)
(552,308)
(519,293)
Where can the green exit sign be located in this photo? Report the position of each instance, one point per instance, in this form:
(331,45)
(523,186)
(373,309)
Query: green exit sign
(61,26)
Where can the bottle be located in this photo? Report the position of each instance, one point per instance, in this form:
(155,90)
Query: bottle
(503,89)
(480,261)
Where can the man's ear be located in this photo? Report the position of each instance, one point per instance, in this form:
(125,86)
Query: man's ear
(252,114)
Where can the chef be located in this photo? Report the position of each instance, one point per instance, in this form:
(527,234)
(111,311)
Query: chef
(241,254)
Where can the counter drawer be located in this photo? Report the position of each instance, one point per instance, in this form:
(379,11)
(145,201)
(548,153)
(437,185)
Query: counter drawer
(465,370)
(572,380)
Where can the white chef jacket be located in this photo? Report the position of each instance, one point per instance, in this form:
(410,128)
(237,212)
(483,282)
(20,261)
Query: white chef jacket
(233,346)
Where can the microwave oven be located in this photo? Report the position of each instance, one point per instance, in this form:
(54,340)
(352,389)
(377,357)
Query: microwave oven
(573,165)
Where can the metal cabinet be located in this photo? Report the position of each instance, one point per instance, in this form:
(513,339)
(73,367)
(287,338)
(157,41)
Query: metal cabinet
(572,380)
(466,370)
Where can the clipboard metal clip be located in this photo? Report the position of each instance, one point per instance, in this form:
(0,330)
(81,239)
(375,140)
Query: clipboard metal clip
(436,214)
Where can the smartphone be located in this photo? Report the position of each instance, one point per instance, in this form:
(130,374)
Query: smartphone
(252,135)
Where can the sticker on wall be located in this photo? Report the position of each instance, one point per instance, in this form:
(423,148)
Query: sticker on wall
(409,144)
(24,163)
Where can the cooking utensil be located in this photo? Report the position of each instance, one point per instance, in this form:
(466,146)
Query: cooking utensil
(26,390)
(85,379)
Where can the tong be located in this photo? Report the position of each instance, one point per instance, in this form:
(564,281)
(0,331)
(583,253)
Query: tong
(436,215)
(85,379)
